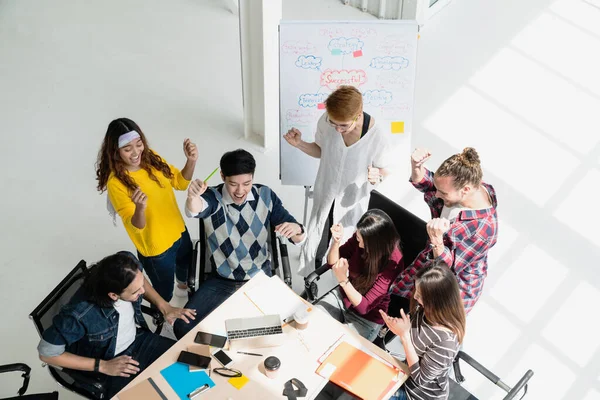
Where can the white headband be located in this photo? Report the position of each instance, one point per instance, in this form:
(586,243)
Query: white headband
(127,138)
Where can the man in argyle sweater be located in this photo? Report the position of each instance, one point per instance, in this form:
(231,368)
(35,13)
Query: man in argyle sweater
(236,215)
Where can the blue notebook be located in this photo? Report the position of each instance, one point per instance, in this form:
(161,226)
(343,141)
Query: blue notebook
(183,381)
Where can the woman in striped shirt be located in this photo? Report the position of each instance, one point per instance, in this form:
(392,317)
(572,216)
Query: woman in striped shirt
(432,334)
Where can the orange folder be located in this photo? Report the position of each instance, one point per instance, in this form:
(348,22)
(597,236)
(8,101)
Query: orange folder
(358,372)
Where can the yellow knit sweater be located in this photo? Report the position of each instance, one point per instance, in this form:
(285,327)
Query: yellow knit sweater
(164,223)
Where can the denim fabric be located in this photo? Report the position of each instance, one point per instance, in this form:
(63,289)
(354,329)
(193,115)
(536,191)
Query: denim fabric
(175,261)
(399,395)
(86,329)
(146,348)
(333,305)
(210,295)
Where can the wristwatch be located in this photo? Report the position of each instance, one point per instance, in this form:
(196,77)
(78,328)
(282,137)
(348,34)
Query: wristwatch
(97,365)
(301,229)
(433,246)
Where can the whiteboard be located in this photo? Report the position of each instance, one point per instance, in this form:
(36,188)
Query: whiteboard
(316,57)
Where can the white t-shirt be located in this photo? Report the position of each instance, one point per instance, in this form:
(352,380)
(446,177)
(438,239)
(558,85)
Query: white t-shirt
(450,213)
(126,331)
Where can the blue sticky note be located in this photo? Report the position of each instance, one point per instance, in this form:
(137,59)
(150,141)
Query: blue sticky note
(183,381)
(336,52)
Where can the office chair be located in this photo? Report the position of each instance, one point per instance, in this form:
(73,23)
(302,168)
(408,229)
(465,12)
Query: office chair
(84,384)
(199,272)
(26,375)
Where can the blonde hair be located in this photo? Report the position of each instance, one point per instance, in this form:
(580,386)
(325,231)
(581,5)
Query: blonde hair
(344,103)
(464,167)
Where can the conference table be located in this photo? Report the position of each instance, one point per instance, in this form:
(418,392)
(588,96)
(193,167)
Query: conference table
(299,354)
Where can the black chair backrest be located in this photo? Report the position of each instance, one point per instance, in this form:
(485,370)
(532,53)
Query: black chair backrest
(44,313)
(412,229)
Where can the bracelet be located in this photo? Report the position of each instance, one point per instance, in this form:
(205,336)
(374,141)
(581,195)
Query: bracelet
(343,283)
(97,365)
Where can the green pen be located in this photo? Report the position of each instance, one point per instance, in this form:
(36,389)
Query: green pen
(211,174)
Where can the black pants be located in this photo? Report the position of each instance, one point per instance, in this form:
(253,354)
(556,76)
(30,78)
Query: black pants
(146,348)
(325,238)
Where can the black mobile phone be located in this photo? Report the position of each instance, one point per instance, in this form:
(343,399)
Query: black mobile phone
(193,359)
(210,339)
(222,358)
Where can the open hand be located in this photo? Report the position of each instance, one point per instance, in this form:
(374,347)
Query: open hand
(173,313)
(120,366)
(293,137)
(190,150)
(400,326)
(288,229)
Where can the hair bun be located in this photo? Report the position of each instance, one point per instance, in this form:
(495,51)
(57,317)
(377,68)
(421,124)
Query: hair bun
(469,157)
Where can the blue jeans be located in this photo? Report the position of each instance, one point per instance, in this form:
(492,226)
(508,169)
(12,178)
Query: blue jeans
(400,394)
(146,348)
(210,295)
(333,305)
(175,261)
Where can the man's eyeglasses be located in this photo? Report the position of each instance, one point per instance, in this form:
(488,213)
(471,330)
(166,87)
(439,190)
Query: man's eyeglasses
(343,127)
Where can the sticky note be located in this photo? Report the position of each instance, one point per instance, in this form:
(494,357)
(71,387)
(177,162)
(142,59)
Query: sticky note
(398,127)
(238,382)
(336,52)
(357,53)
(321,106)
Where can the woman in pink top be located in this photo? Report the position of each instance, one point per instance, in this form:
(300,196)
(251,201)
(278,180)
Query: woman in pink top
(365,266)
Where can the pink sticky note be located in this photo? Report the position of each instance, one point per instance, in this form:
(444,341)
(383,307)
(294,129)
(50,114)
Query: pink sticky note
(357,53)
(321,106)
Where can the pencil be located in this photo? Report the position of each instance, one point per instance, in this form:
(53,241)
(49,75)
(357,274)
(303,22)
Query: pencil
(250,354)
(211,174)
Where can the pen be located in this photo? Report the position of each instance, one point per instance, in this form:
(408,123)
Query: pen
(198,391)
(250,354)
(211,174)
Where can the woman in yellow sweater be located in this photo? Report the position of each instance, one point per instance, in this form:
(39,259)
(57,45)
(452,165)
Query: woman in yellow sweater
(140,188)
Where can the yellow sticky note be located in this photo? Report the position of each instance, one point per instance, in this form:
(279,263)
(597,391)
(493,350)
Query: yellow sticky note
(238,382)
(398,127)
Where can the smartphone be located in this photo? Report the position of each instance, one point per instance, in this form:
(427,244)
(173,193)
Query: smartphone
(210,339)
(193,359)
(222,358)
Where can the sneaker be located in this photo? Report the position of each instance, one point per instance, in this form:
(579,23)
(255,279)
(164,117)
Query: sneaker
(179,292)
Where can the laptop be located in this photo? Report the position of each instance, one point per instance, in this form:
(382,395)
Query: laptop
(255,332)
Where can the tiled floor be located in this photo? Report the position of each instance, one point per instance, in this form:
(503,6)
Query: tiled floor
(517,80)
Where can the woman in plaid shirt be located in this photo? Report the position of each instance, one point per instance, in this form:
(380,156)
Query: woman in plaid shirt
(464,223)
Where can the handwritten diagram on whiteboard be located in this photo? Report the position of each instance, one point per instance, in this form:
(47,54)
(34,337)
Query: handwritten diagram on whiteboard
(316,57)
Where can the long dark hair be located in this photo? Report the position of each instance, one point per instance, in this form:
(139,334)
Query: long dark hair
(109,160)
(441,299)
(112,274)
(380,239)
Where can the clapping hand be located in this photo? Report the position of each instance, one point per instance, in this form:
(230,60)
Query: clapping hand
(400,326)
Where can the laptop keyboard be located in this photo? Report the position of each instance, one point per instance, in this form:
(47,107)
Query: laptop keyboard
(248,333)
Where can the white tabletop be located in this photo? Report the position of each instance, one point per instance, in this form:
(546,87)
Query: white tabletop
(299,354)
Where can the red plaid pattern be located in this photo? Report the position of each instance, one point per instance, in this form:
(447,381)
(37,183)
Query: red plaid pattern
(467,243)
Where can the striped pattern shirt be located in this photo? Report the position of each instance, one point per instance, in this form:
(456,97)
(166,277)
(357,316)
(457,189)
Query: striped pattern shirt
(466,246)
(436,349)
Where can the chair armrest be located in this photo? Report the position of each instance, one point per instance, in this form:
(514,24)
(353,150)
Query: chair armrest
(482,370)
(310,283)
(156,316)
(517,388)
(285,262)
(18,367)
